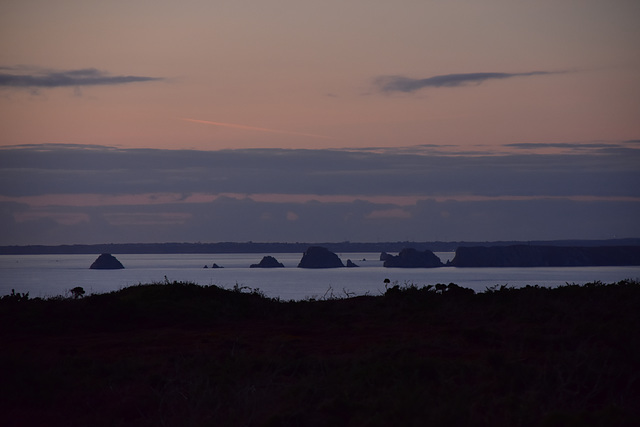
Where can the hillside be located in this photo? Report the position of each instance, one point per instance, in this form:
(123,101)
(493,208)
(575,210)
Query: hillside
(179,354)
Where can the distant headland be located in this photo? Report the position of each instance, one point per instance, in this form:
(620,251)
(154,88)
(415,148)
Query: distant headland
(297,247)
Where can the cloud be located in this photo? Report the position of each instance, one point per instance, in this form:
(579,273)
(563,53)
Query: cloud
(406,84)
(246,220)
(29,77)
(65,169)
(63,194)
(538,145)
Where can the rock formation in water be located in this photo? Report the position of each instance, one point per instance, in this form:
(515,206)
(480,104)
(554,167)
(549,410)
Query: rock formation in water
(319,257)
(412,258)
(106,262)
(385,256)
(351,263)
(267,262)
(545,256)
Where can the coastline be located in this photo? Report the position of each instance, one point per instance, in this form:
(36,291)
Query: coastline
(284,247)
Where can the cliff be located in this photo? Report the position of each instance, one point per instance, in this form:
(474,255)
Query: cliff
(545,256)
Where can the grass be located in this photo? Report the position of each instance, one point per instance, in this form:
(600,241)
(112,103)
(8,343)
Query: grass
(180,354)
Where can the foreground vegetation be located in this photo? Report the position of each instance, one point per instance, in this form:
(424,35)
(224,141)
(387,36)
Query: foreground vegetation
(180,354)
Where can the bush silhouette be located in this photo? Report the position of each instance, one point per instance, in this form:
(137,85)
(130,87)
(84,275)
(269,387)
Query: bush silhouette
(15,297)
(77,292)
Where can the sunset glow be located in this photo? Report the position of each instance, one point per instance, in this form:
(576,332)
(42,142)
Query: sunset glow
(288,120)
(245,127)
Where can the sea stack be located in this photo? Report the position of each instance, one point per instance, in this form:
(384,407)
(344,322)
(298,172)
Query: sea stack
(106,262)
(319,257)
(412,258)
(268,262)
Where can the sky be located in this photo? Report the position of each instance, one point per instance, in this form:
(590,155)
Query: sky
(153,121)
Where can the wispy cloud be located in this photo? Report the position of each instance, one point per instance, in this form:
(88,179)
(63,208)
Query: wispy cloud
(254,128)
(406,84)
(29,77)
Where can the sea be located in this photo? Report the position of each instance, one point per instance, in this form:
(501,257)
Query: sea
(47,276)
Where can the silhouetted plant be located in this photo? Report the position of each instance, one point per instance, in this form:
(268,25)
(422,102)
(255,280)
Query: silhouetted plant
(15,297)
(77,292)
(392,291)
(453,289)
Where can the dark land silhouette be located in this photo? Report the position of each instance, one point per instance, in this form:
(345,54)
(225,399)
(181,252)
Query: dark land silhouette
(546,256)
(478,256)
(177,354)
(275,247)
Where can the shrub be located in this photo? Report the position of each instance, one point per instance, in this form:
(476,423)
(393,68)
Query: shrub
(77,292)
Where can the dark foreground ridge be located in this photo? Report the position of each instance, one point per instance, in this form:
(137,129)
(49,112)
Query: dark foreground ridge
(176,354)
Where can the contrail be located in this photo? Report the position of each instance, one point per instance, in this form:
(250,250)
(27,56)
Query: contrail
(245,127)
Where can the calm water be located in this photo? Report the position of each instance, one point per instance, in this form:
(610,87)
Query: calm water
(51,275)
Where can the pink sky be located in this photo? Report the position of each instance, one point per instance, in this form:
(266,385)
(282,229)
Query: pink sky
(419,119)
(294,74)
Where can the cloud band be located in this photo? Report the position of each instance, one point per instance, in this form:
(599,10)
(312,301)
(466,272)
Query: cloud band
(406,84)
